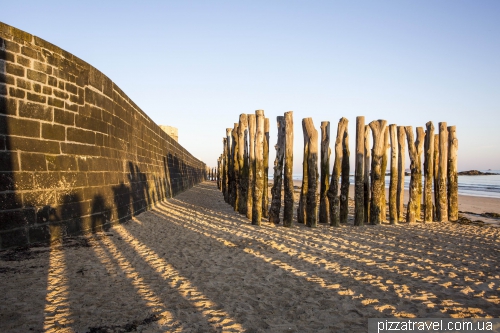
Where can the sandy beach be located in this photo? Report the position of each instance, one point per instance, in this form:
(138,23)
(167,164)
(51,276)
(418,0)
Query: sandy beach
(192,264)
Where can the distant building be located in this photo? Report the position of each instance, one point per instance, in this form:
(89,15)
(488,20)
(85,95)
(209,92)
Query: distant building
(171,131)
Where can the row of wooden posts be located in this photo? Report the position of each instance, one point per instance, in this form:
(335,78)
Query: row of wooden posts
(242,172)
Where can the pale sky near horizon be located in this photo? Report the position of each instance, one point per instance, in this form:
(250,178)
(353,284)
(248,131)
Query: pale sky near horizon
(196,65)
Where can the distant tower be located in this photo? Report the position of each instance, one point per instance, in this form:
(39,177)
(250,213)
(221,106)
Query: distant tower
(171,131)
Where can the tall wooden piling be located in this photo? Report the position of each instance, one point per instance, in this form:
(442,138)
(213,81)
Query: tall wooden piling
(301,209)
(224,171)
(235,168)
(243,164)
(274,211)
(219,173)
(367,173)
(324,207)
(333,195)
(287,179)
(383,171)
(442,207)
(415,188)
(393,184)
(452,174)
(377,179)
(259,168)
(428,171)
(251,164)
(436,188)
(229,160)
(344,179)
(401,172)
(311,202)
(265,196)
(359,212)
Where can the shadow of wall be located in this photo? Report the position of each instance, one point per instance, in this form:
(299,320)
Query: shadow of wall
(75,151)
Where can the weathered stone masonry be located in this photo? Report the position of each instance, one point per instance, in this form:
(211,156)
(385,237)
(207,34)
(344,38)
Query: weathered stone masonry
(76,154)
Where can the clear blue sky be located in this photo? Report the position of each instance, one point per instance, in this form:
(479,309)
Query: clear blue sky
(197,65)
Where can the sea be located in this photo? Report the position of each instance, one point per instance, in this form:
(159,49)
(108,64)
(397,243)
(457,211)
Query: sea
(478,186)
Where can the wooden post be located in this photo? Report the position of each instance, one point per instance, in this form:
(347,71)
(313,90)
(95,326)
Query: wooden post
(378,132)
(367,173)
(393,185)
(383,199)
(428,171)
(288,180)
(219,173)
(274,211)
(243,164)
(311,202)
(259,168)
(442,207)
(324,207)
(333,195)
(224,171)
(236,168)
(359,197)
(452,174)
(265,196)
(301,209)
(436,164)
(415,189)
(401,172)
(344,183)
(251,164)
(229,159)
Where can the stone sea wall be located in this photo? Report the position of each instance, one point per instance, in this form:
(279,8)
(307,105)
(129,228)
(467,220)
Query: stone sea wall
(76,154)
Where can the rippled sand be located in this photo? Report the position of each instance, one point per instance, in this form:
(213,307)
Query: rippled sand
(192,264)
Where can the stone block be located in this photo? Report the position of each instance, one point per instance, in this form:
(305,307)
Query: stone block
(46,180)
(79,149)
(33,162)
(79,135)
(6,55)
(23,84)
(47,90)
(56,102)
(77,179)
(52,81)
(24,181)
(36,98)
(23,61)
(16,93)
(11,46)
(41,67)
(61,94)
(35,111)
(37,76)
(29,52)
(71,88)
(71,107)
(34,145)
(64,117)
(40,198)
(22,127)
(95,178)
(53,132)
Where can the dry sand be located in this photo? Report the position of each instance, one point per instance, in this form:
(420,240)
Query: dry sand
(192,264)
